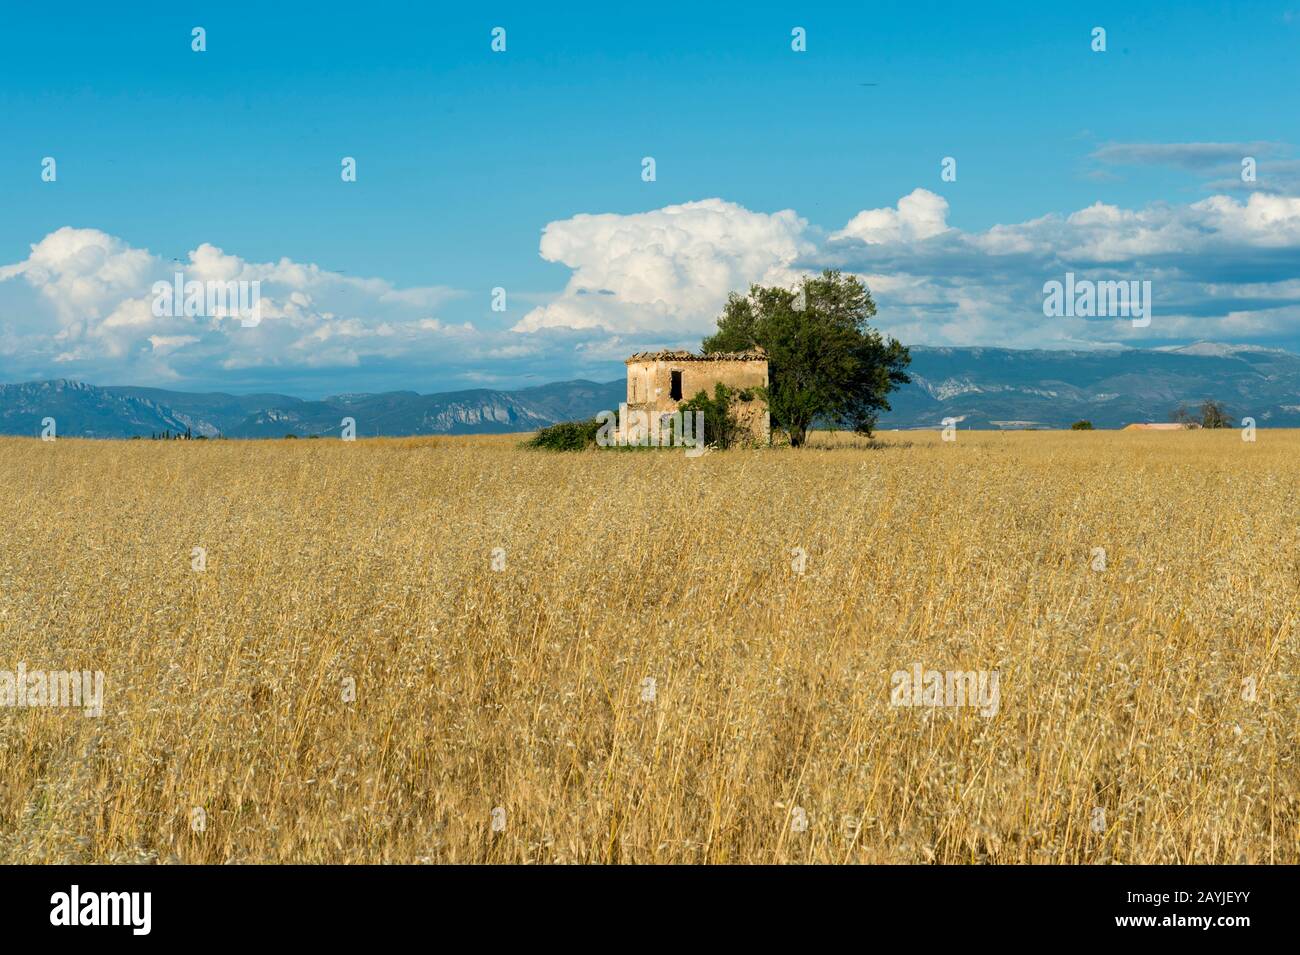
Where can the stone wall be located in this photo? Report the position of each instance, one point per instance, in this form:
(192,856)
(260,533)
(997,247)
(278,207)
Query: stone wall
(650,384)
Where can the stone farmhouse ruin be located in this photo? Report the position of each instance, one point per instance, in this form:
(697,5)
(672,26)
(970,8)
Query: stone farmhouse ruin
(658,382)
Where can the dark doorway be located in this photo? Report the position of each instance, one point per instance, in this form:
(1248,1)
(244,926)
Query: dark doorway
(675,389)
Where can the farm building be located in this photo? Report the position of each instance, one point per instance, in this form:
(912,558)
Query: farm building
(657,382)
(1162,426)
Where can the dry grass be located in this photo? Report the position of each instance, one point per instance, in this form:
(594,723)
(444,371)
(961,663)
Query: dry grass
(1120,689)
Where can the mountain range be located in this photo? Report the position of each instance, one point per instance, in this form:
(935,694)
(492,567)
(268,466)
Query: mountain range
(1008,388)
(980,387)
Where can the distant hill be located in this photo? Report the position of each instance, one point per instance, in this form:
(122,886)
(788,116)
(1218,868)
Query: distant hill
(1009,388)
(82,410)
(981,387)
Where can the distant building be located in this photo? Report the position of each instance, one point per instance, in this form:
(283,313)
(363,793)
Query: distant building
(1174,426)
(658,382)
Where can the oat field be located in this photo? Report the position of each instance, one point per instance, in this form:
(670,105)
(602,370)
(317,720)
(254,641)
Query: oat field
(457,650)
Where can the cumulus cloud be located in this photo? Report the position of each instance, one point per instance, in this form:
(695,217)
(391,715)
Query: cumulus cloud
(94,313)
(79,272)
(649,276)
(666,271)
(919,216)
(986,287)
(1224,268)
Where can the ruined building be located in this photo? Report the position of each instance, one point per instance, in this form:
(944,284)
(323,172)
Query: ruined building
(657,382)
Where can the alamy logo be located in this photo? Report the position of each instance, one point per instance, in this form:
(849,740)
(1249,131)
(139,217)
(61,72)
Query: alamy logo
(643,429)
(211,299)
(920,687)
(25,688)
(1088,299)
(103,908)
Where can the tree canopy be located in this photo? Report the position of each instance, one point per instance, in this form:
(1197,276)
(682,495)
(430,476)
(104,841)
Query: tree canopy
(1212,415)
(825,363)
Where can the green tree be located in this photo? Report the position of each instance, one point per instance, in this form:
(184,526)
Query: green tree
(1211,415)
(825,363)
(1214,415)
(1082,425)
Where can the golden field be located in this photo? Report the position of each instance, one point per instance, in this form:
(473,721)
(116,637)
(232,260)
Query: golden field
(1124,731)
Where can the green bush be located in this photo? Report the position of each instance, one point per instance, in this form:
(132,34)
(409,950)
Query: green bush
(1212,415)
(566,436)
(721,427)
(1084,425)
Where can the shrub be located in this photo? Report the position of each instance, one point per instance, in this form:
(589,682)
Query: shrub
(1082,425)
(566,436)
(1212,414)
(721,427)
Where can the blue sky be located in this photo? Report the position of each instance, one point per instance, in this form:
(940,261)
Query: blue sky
(466,158)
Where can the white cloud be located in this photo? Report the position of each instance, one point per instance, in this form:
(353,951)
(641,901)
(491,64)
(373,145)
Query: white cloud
(94,298)
(1107,233)
(1221,268)
(81,271)
(1263,220)
(668,270)
(919,215)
